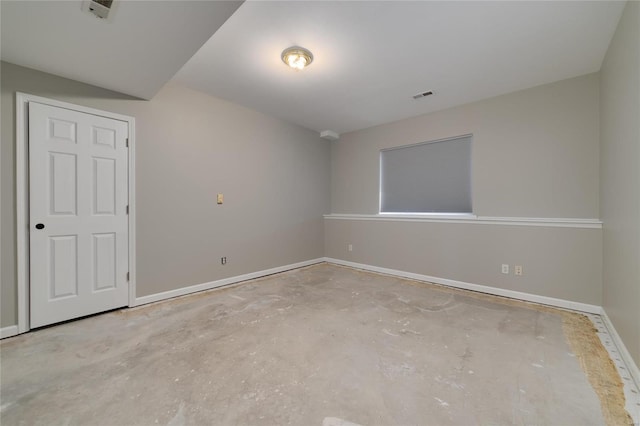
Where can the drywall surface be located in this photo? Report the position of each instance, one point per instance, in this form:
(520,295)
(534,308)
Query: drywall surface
(189,147)
(535,152)
(563,263)
(620,178)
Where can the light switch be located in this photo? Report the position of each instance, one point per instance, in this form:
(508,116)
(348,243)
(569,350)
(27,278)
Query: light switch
(220,198)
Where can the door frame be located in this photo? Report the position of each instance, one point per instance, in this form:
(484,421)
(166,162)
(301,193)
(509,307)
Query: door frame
(22,197)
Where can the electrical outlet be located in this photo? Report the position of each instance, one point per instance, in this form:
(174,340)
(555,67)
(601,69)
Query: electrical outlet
(220,198)
(350,247)
(223,260)
(505,268)
(518,269)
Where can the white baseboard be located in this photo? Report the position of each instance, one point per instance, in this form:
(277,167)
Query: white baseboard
(633,369)
(630,364)
(219,283)
(12,330)
(544,300)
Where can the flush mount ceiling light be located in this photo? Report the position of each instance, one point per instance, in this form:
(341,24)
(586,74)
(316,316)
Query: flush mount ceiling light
(297,57)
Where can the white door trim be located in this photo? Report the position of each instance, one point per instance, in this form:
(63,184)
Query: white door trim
(22,197)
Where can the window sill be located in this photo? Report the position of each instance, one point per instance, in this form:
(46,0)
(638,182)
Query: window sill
(459,218)
(428,215)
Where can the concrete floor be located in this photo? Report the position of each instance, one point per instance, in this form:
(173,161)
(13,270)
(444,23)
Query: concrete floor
(323,345)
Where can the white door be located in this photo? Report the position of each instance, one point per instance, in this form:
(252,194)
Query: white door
(78,225)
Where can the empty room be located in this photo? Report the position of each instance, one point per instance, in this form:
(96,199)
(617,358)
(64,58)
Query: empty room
(331,213)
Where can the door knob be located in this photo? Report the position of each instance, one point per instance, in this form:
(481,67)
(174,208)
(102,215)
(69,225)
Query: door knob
(40,226)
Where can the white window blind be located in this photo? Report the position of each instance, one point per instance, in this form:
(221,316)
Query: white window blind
(430,177)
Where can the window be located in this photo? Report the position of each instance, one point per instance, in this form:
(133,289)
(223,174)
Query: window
(429,177)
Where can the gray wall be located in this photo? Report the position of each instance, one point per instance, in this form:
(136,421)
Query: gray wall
(535,154)
(564,263)
(620,178)
(190,146)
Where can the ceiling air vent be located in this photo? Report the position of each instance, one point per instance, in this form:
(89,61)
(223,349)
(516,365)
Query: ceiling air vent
(100,8)
(423,94)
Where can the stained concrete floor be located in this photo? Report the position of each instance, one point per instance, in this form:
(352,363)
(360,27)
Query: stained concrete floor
(319,345)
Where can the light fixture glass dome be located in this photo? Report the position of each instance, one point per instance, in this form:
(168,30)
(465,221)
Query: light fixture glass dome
(297,57)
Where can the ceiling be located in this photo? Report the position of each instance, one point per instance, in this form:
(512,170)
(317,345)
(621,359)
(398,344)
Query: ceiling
(135,51)
(371,57)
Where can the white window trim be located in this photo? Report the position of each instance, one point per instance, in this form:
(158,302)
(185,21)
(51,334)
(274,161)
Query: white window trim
(430,215)
(561,222)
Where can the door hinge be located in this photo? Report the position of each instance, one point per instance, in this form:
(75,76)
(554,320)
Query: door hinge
(127,209)
(127,143)
(127,276)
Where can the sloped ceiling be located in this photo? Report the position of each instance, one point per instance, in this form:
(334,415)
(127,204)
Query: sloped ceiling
(371,57)
(136,51)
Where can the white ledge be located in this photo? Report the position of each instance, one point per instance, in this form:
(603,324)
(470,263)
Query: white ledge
(467,218)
